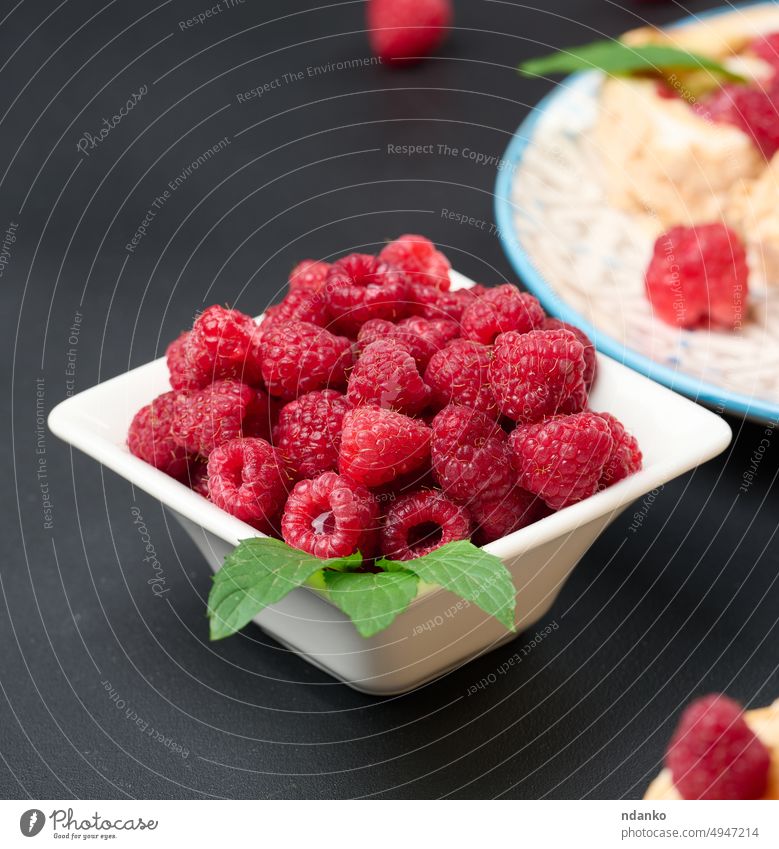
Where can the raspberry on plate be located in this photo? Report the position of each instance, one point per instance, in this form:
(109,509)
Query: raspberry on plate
(538,374)
(699,274)
(359,287)
(299,357)
(561,459)
(308,432)
(766,47)
(150,437)
(222,411)
(403,31)
(590,355)
(419,259)
(182,375)
(330,516)
(625,458)
(470,455)
(715,755)
(499,517)
(309,275)
(198,477)
(460,374)
(420,522)
(247,478)
(386,375)
(299,304)
(420,347)
(379,445)
(751,108)
(222,345)
(499,310)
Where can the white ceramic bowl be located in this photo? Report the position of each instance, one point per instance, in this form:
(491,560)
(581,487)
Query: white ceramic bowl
(438,631)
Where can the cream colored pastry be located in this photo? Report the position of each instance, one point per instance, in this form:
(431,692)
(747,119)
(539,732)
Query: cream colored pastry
(765,724)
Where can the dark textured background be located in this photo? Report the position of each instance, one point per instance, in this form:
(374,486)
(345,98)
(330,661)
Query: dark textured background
(683,606)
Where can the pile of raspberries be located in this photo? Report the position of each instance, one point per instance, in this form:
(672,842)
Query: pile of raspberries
(376,410)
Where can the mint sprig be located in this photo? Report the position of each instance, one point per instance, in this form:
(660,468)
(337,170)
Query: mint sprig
(616,57)
(261,571)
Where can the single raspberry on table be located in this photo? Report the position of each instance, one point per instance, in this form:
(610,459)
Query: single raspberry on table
(715,755)
(247,478)
(403,31)
(378,446)
(420,522)
(470,455)
(360,287)
(420,347)
(182,375)
(698,275)
(150,438)
(499,517)
(222,411)
(625,458)
(538,374)
(437,331)
(590,355)
(419,259)
(299,357)
(460,374)
(753,109)
(308,432)
(561,459)
(299,304)
(331,516)
(432,303)
(386,375)
(499,310)
(223,344)
(309,275)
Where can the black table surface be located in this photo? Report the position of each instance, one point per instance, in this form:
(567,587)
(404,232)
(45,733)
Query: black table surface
(677,604)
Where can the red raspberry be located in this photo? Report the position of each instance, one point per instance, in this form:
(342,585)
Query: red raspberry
(420,522)
(198,477)
(750,108)
(419,259)
(182,377)
(223,345)
(625,458)
(459,374)
(590,355)
(499,517)
(500,310)
(699,273)
(298,357)
(308,432)
(150,437)
(766,47)
(222,411)
(359,287)
(379,329)
(331,517)
(309,275)
(562,459)
(470,455)
(299,304)
(715,755)
(432,303)
(538,374)
(437,331)
(386,376)
(403,31)
(247,478)
(378,445)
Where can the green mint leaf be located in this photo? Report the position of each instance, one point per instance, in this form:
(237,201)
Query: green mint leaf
(469,572)
(371,601)
(616,57)
(259,572)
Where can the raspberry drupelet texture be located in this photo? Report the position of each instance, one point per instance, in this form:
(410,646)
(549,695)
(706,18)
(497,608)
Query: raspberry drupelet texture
(182,376)
(299,357)
(404,31)
(299,304)
(222,411)
(470,455)
(460,374)
(538,374)
(625,458)
(359,287)
(420,347)
(308,432)
(419,259)
(429,302)
(499,310)
(378,446)
(699,275)
(247,478)
(561,459)
(386,375)
(715,755)
(590,355)
(150,437)
(223,345)
(331,516)
(420,522)
(499,517)
(438,331)
(309,274)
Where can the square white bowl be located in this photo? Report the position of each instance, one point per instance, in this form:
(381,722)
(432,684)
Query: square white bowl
(438,631)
